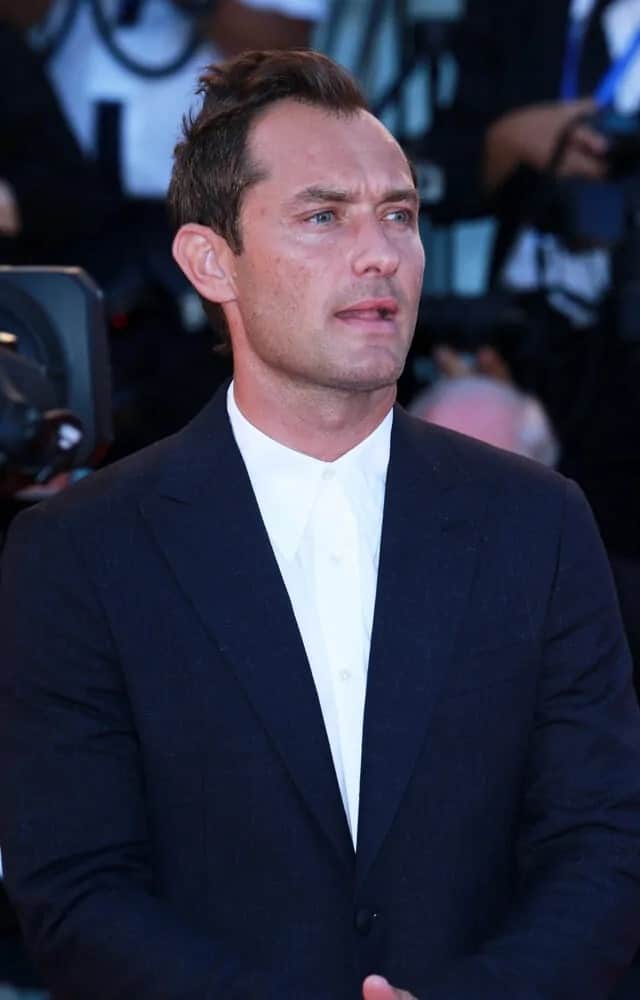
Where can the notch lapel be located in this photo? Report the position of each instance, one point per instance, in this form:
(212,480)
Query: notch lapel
(430,538)
(206,521)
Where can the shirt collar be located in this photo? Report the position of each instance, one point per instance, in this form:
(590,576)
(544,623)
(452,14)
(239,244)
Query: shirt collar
(286,483)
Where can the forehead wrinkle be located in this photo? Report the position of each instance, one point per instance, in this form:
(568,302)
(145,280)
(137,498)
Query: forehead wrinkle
(266,145)
(316,193)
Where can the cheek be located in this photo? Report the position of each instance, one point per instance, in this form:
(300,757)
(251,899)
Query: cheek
(413,284)
(416,259)
(297,283)
(260,285)
(278,299)
(287,280)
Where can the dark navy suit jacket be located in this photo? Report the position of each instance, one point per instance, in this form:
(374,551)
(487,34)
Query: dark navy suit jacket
(170,820)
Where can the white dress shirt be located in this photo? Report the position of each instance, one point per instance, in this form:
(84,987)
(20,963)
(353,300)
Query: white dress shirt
(324,521)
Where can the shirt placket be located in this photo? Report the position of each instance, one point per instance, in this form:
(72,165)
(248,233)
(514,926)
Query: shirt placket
(339,596)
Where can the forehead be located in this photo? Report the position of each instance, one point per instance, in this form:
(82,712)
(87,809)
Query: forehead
(301,145)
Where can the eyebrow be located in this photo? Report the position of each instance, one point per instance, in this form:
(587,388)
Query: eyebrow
(321,194)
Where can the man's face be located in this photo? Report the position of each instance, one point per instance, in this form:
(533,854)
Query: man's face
(329,278)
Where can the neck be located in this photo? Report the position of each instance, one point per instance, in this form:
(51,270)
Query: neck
(318,421)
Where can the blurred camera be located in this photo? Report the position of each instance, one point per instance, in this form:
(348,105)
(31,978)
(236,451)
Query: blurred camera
(592,213)
(601,214)
(55,389)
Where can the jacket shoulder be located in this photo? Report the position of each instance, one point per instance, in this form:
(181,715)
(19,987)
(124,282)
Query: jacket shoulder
(466,459)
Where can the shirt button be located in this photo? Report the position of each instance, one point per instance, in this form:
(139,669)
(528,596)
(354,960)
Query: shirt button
(345,675)
(363,920)
(336,558)
(328,474)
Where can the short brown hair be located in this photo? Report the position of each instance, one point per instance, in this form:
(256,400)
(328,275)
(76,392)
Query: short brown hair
(212,168)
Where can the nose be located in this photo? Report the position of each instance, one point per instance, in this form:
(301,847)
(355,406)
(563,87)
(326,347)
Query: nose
(374,251)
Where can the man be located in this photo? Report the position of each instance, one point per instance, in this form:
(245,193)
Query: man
(196,800)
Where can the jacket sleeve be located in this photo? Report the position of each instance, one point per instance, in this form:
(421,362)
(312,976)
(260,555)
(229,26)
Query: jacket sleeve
(576,923)
(73,828)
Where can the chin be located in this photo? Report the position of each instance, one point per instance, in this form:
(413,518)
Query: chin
(366,378)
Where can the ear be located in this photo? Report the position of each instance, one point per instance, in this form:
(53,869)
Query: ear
(207,260)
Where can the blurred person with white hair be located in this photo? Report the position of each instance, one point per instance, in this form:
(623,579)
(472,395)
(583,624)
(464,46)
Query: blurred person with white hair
(492,411)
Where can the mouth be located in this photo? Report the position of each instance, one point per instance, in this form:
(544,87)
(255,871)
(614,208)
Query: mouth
(376,313)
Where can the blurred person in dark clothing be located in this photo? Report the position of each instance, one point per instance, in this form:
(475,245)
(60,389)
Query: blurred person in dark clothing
(513,104)
(531,78)
(50,194)
(119,93)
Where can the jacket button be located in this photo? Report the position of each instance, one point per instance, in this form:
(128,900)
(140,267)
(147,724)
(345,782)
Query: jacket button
(364,920)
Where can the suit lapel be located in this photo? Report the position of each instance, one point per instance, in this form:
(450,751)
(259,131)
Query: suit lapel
(207,523)
(428,553)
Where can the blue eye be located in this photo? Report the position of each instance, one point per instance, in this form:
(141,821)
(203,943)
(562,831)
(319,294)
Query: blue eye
(321,218)
(404,215)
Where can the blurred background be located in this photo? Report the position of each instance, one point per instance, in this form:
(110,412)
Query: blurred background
(523,122)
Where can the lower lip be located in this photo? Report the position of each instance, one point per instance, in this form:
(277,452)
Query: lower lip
(382,325)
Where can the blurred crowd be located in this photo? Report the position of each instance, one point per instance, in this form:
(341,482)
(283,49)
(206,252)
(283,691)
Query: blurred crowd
(543,134)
